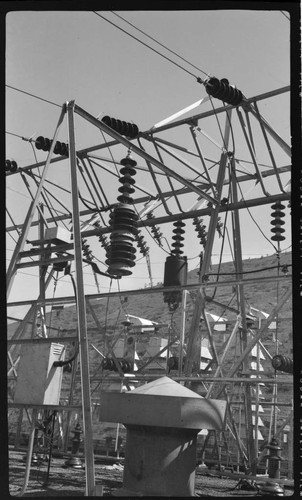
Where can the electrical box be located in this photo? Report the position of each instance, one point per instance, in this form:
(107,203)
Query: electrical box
(57,235)
(38,381)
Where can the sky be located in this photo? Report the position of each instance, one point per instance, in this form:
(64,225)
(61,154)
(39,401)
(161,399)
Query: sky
(76,55)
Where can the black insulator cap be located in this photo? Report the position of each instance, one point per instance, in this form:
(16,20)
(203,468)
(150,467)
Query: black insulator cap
(39,142)
(124,128)
(64,149)
(277,221)
(278,205)
(282,363)
(123,214)
(178,238)
(11,166)
(128,170)
(221,89)
(120,252)
(128,161)
(57,148)
(277,211)
(47,144)
(277,237)
(127,181)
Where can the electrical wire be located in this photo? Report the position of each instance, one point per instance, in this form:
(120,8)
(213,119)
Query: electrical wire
(148,46)
(255,222)
(46,181)
(107,306)
(221,251)
(98,183)
(15,241)
(162,45)
(92,184)
(53,296)
(219,127)
(33,95)
(47,201)
(284,250)
(249,272)
(18,192)
(36,159)
(73,357)
(231,128)
(151,235)
(31,174)
(104,139)
(13,223)
(21,137)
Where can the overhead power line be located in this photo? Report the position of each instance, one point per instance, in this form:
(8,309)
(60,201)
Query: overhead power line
(161,44)
(20,136)
(148,46)
(33,95)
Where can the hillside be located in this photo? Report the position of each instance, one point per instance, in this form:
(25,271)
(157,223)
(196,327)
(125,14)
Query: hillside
(110,312)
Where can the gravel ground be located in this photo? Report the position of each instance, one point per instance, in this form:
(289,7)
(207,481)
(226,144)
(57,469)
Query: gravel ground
(71,482)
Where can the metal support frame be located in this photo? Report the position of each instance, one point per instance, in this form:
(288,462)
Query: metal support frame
(182,331)
(222,357)
(193,344)
(147,291)
(28,315)
(29,451)
(268,147)
(81,312)
(202,159)
(185,121)
(258,336)
(187,215)
(252,153)
(213,211)
(27,224)
(241,300)
(286,148)
(102,126)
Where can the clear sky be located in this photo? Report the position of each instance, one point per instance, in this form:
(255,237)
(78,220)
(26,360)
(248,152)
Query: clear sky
(61,56)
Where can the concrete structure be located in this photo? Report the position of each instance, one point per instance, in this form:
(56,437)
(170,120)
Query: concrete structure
(162,419)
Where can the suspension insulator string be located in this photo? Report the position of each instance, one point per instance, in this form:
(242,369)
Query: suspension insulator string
(221,89)
(178,238)
(124,128)
(282,363)
(123,222)
(176,267)
(200,228)
(157,235)
(277,221)
(141,243)
(102,238)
